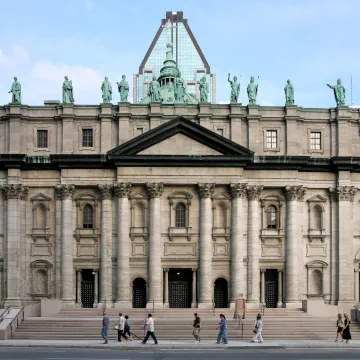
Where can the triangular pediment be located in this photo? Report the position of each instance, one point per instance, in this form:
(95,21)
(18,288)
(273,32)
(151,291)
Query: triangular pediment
(317,198)
(180,137)
(40,197)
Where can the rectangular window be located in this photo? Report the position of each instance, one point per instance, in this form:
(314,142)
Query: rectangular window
(42,139)
(315,141)
(87,137)
(271,139)
(220,132)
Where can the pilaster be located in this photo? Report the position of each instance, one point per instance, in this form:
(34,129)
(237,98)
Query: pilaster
(68,128)
(106,119)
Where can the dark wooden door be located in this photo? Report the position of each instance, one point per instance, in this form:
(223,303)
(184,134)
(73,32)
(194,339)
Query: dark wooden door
(221,293)
(179,294)
(87,294)
(139,294)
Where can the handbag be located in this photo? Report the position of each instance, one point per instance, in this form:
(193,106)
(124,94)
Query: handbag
(116,327)
(255,331)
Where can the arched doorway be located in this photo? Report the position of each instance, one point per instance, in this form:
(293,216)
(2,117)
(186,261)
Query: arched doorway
(139,293)
(221,293)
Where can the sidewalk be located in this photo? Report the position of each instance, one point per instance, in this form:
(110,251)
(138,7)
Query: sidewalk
(170,344)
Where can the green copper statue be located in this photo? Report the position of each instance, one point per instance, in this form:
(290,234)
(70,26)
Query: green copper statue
(235,90)
(154,90)
(68,97)
(123,87)
(204,89)
(289,93)
(106,91)
(179,88)
(16,92)
(252,91)
(339,93)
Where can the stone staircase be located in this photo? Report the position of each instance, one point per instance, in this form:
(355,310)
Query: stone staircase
(176,324)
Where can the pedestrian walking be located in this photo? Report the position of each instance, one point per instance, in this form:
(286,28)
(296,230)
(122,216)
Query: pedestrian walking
(196,325)
(339,327)
(222,330)
(121,327)
(258,330)
(346,332)
(105,327)
(127,328)
(150,330)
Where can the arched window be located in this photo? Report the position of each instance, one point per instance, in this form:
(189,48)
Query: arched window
(88,217)
(272,217)
(221,215)
(180,213)
(40,216)
(316,217)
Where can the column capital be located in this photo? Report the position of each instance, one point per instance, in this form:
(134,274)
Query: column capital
(346,193)
(122,189)
(280,270)
(15,191)
(64,191)
(253,191)
(155,189)
(238,190)
(194,269)
(206,189)
(105,191)
(263,270)
(166,269)
(295,192)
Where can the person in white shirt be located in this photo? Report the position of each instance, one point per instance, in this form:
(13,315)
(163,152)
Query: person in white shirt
(121,326)
(150,330)
(258,330)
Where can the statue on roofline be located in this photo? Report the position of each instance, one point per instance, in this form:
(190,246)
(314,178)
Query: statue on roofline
(68,95)
(235,89)
(16,92)
(289,93)
(252,91)
(123,87)
(106,91)
(204,89)
(339,93)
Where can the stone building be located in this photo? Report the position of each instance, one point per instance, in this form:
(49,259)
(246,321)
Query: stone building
(179,205)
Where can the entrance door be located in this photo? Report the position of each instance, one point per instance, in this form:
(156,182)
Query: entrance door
(87,289)
(180,281)
(271,288)
(139,293)
(221,293)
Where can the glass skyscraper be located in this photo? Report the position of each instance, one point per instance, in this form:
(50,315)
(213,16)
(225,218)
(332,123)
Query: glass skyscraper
(186,51)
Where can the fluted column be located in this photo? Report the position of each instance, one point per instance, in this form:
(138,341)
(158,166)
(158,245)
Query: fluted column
(205,245)
(345,270)
(238,192)
(155,191)
(13,194)
(293,194)
(106,245)
(280,294)
(166,287)
(194,287)
(123,298)
(253,246)
(65,193)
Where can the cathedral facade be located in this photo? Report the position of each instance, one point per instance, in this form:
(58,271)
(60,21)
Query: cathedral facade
(179,205)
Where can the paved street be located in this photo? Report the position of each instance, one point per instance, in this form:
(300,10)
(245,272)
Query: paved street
(173,354)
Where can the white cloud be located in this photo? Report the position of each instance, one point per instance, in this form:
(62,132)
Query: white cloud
(48,79)
(16,56)
(223,102)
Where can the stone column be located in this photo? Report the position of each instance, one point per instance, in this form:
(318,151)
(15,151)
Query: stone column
(253,246)
(280,295)
(238,192)
(193,294)
(13,195)
(205,245)
(65,193)
(345,260)
(356,282)
(78,287)
(106,245)
(262,271)
(123,298)
(155,191)
(293,194)
(166,287)
(96,288)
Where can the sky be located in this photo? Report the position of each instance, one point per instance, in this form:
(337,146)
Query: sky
(310,42)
